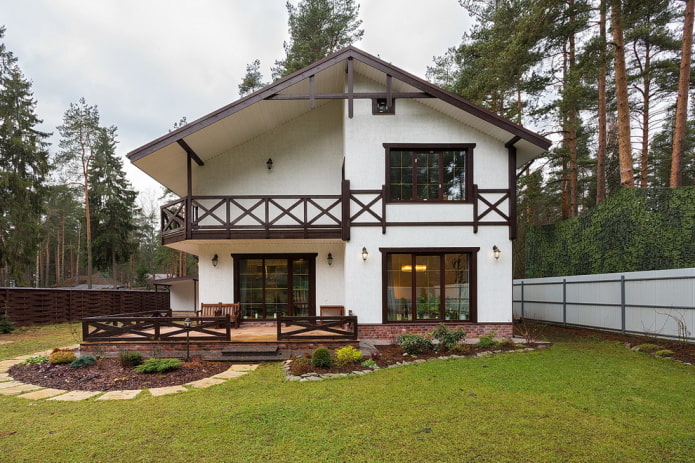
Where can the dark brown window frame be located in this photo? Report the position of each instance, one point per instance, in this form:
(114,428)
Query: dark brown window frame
(439,147)
(473,283)
(289,256)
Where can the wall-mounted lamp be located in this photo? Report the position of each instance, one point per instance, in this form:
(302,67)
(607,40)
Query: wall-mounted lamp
(215,259)
(365,254)
(269,163)
(496,252)
(330,259)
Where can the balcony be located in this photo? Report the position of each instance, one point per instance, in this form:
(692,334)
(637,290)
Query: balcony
(271,217)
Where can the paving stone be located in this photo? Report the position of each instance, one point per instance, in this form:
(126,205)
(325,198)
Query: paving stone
(5,377)
(243,367)
(5,384)
(120,395)
(206,382)
(6,364)
(230,374)
(21,387)
(42,394)
(157,391)
(74,396)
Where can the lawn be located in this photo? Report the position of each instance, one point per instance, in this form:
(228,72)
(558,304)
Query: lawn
(582,400)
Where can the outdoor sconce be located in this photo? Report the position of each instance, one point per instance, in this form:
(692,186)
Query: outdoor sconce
(365,254)
(330,259)
(215,259)
(496,252)
(269,163)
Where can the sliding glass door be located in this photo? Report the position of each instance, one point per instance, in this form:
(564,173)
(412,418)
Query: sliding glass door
(269,286)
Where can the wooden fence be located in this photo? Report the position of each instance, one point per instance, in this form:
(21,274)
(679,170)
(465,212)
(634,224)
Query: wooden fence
(45,306)
(309,327)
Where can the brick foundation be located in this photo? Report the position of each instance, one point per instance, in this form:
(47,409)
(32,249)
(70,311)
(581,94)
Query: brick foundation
(390,332)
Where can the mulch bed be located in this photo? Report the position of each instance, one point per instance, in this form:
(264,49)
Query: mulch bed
(108,375)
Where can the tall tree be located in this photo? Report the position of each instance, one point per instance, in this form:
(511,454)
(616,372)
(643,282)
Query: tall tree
(318,28)
(627,173)
(79,137)
(112,202)
(23,169)
(679,134)
(253,79)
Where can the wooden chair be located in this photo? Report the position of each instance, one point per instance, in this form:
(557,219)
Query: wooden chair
(332,311)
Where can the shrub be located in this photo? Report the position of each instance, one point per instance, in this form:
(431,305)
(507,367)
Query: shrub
(664,353)
(61,356)
(369,363)
(460,349)
(300,366)
(6,325)
(321,358)
(159,365)
(487,341)
(647,348)
(447,338)
(37,360)
(129,359)
(347,355)
(414,344)
(84,361)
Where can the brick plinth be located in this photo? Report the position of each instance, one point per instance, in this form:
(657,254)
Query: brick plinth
(389,333)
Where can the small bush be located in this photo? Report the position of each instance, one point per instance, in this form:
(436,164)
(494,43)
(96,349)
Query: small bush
(414,344)
(369,363)
(159,365)
(460,349)
(487,341)
(61,356)
(447,338)
(664,353)
(129,359)
(37,360)
(300,366)
(347,355)
(321,358)
(84,361)
(6,325)
(647,348)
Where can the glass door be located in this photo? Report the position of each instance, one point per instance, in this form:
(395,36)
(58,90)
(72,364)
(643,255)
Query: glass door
(268,287)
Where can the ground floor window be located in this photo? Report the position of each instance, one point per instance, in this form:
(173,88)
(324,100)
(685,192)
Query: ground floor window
(429,285)
(268,286)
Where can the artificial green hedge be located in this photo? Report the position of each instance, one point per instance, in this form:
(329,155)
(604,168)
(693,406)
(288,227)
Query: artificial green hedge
(633,230)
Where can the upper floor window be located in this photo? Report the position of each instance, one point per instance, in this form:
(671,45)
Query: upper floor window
(429,172)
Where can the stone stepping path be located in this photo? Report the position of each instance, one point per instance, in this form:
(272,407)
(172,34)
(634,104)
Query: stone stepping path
(9,386)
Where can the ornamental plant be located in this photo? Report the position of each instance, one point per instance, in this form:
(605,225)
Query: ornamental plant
(447,338)
(321,358)
(347,355)
(84,361)
(159,365)
(414,344)
(6,325)
(61,356)
(129,359)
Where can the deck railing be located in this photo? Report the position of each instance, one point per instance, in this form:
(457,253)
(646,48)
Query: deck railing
(155,326)
(317,327)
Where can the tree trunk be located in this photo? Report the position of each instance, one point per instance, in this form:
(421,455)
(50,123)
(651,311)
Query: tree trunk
(682,100)
(624,142)
(601,152)
(572,124)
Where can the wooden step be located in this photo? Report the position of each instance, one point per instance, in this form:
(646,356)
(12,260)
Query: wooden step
(271,349)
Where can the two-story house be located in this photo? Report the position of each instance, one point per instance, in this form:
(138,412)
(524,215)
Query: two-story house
(352,183)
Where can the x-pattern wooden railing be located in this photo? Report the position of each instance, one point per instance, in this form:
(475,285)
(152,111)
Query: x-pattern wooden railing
(127,327)
(317,327)
(491,207)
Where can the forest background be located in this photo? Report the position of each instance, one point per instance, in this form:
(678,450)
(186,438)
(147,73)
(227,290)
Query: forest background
(610,82)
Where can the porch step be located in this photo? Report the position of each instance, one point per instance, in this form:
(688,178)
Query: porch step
(270,353)
(252,350)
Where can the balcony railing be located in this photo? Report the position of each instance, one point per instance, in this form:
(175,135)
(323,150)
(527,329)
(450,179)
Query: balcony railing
(280,216)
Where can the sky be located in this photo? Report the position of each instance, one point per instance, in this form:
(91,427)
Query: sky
(148,63)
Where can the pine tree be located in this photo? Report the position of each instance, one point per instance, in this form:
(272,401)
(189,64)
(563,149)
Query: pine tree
(318,28)
(23,169)
(112,202)
(79,135)
(253,79)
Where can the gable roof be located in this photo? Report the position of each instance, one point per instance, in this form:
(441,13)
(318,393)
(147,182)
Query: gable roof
(298,93)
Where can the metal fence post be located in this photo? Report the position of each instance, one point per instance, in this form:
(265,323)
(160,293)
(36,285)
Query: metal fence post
(522,299)
(564,301)
(622,303)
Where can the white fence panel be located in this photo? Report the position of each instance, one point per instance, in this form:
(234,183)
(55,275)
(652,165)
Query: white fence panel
(660,303)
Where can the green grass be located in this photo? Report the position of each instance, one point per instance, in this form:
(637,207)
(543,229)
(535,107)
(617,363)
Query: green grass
(580,401)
